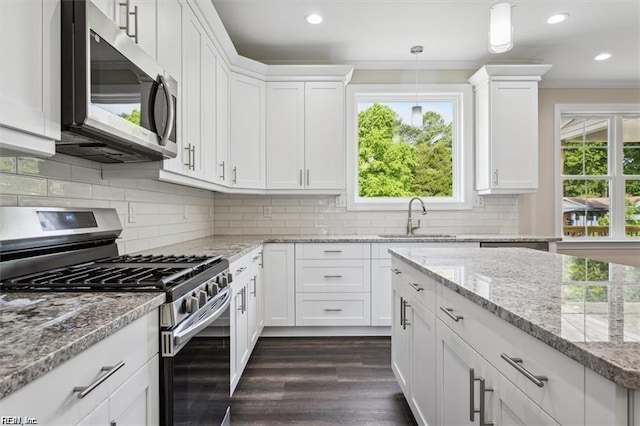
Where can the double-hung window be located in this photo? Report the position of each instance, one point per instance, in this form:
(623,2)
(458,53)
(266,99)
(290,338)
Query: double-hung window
(599,151)
(396,151)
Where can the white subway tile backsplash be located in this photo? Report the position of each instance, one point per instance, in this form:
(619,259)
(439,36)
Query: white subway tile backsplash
(319,215)
(22,185)
(8,200)
(44,168)
(8,164)
(102,192)
(61,188)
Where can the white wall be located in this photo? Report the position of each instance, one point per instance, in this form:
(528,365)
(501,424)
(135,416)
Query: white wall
(74,182)
(319,215)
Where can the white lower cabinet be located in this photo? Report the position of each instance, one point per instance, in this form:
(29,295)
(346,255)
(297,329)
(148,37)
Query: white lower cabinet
(247,311)
(128,396)
(447,349)
(279,278)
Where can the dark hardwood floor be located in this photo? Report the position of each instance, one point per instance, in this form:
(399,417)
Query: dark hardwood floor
(320,381)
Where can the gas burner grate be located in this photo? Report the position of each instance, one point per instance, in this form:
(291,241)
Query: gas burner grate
(122,272)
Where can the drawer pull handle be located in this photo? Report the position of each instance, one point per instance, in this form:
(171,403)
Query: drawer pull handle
(396,271)
(241,270)
(450,314)
(333,251)
(256,257)
(333,276)
(416,286)
(333,310)
(109,371)
(405,305)
(483,390)
(515,363)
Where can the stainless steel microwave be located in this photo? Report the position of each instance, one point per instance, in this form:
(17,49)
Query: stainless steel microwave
(118,104)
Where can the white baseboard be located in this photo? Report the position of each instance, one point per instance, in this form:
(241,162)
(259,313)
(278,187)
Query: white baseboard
(325,331)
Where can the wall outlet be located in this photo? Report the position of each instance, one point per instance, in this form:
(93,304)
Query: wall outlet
(477,200)
(133,213)
(266,211)
(341,201)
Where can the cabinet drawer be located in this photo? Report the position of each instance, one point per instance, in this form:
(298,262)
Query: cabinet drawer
(415,284)
(333,251)
(333,309)
(339,276)
(57,403)
(491,336)
(381,250)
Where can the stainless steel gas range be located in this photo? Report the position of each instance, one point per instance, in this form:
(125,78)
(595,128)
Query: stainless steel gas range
(74,249)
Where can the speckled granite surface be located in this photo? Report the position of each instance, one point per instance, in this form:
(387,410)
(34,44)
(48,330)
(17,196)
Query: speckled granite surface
(39,331)
(586,309)
(235,246)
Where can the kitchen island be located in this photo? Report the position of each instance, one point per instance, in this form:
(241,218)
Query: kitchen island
(543,338)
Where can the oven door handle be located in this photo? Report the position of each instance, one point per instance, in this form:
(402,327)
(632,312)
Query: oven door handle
(205,318)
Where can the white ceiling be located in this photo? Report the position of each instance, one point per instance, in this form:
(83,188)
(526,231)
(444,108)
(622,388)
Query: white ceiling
(378,34)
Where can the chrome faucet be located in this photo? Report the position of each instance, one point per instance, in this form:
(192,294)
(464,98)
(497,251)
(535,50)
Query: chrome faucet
(410,227)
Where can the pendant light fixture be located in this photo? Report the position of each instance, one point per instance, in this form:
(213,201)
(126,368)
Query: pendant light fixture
(416,111)
(500,28)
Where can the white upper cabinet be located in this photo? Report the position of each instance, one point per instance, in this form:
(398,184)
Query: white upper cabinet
(247,132)
(208,105)
(285,135)
(507,128)
(142,23)
(29,77)
(305,135)
(223,106)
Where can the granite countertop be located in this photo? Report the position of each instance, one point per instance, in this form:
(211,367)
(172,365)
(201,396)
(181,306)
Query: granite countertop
(586,309)
(39,331)
(233,247)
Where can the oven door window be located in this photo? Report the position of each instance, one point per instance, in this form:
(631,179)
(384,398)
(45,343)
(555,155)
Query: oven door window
(196,380)
(122,95)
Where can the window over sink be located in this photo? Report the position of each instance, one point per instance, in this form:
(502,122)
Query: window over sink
(393,155)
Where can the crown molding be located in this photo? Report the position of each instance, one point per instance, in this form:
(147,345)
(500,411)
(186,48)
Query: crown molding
(589,84)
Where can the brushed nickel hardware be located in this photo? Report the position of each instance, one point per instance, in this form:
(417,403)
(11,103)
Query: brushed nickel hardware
(191,159)
(483,390)
(253,293)
(222,165)
(300,177)
(416,286)
(261,259)
(495,177)
(516,363)
(128,13)
(333,310)
(450,314)
(396,271)
(109,371)
(333,276)
(307,177)
(256,257)
(235,175)
(405,323)
(401,312)
(241,270)
(333,251)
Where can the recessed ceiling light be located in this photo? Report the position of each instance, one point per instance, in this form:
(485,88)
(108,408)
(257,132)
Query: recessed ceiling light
(556,19)
(602,56)
(314,19)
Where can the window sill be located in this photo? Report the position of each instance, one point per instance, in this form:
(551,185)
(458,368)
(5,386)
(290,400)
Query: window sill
(598,244)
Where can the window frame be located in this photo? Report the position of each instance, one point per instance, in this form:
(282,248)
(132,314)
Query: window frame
(614,114)
(462,146)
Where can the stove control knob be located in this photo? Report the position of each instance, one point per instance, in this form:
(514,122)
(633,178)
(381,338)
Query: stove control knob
(192,304)
(212,289)
(202,297)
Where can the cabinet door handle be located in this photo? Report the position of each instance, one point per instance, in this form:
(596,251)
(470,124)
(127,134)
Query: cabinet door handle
(261,259)
(333,251)
(495,177)
(333,276)
(222,165)
(109,371)
(405,323)
(483,390)
(450,314)
(307,177)
(135,23)
(300,177)
(516,363)
(235,174)
(125,28)
(241,270)
(416,286)
(253,293)
(188,163)
(193,162)
(401,312)
(333,310)
(396,271)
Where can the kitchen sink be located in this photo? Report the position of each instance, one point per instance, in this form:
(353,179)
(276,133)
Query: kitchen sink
(417,236)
